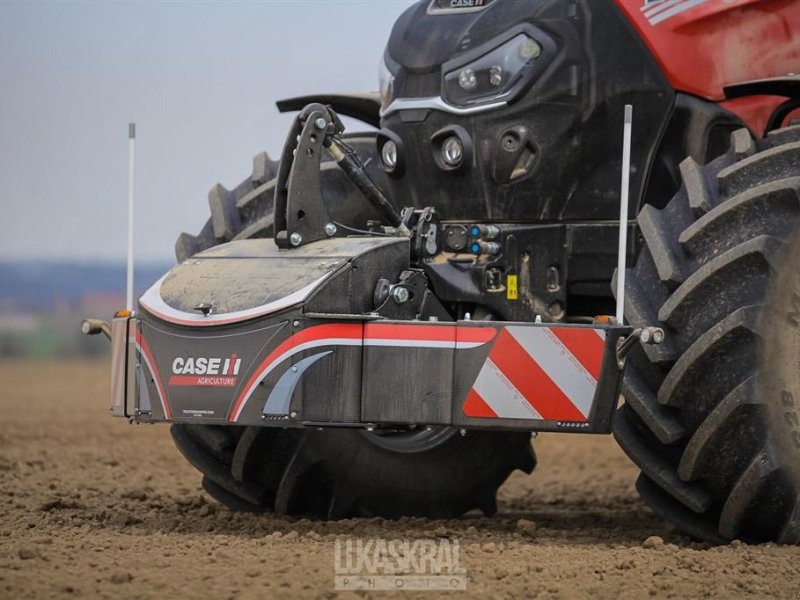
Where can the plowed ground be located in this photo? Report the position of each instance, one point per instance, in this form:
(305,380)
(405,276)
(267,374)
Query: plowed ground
(93,507)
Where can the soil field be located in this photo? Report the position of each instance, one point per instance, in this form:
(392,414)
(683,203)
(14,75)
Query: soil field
(93,507)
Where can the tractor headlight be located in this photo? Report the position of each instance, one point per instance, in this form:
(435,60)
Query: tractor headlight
(389,155)
(452,151)
(386,83)
(496,76)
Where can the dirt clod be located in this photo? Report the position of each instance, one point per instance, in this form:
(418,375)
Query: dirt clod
(526,527)
(28,552)
(653,541)
(119,577)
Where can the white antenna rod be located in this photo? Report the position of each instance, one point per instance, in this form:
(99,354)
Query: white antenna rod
(622,252)
(131,148)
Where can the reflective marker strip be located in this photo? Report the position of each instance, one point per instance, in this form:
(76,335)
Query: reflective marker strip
(555,370)
(559,364)
(586,348)
(475,406)
(501,395)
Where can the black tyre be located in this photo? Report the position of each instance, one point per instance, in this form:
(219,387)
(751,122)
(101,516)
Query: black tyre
(712,416)
(336,473)
(343,473)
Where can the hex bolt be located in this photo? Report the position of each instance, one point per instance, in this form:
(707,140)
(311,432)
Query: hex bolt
(293,414)
(294,368)
(330,229)
(400,294)
(296,324)
(320,123)
(296,239)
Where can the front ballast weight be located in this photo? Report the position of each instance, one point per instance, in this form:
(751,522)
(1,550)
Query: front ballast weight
(298,369)
(312,356)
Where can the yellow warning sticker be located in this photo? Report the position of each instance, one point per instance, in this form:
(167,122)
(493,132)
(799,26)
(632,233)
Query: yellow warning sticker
(511,287)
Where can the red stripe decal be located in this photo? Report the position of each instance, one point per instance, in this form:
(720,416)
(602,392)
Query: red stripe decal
(479,335)
(475,406)
(428,333)
(585,345)
(312,334)
(156,377)
(531,381)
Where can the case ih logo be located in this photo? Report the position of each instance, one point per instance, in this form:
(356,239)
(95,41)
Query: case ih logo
(207,372)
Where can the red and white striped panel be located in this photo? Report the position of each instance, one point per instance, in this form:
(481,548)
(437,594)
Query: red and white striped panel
(540,373)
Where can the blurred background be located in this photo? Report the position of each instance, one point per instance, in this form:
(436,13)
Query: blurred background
(200,79)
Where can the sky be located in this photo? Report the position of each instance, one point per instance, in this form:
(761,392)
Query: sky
(200,79)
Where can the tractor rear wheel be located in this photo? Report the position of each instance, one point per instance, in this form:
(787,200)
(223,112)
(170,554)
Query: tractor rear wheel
(712,416)
(336,473)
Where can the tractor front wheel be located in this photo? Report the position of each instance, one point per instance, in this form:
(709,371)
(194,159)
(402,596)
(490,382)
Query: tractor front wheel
(712,416)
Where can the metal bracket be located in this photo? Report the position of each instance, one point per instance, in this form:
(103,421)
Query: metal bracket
(300,214)
(425,227)
(95,326)
(645,335)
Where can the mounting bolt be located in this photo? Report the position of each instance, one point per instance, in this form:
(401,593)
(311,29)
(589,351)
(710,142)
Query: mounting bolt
(296,239)
(400,294)
(296,324)
(293,414)
(463,432)
(294,368)
(320,123)
(330,229)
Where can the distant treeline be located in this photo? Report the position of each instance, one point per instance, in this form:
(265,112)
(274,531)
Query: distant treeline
(35,286)
(42,304)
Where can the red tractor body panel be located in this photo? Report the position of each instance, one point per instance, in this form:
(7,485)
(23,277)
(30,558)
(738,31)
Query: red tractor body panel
(704,45)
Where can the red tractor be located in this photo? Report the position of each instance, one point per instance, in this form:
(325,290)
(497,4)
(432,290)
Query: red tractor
(375,324)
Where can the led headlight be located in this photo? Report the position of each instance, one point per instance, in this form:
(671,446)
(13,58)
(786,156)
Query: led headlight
(389,155)
(497,74)
(389,147)
(452,148)
(452,151)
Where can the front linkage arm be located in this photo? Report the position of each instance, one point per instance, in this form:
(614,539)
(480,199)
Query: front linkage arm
(300,214)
